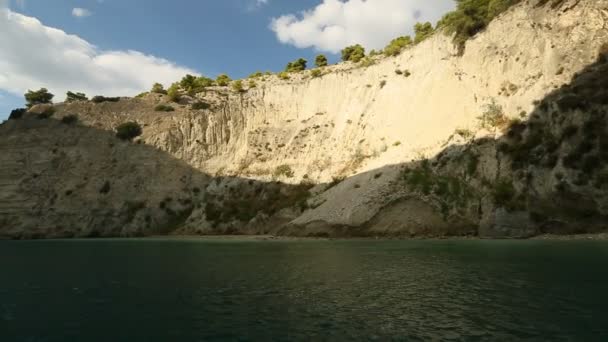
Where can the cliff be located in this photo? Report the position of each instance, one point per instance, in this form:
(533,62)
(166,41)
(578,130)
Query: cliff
(392,148)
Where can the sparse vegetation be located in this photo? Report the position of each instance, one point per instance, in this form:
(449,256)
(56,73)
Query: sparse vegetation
(37,97)
(174,93)
(321,61)
(47,113)
(397,45)
(256,74)
(128,130)
(238,86)
(366,62)
(252,84)
(493,116)
(315,73)
(223,80)
(200,105)
(164,108)
(382,84)
(471,17)
(73,97)
(100,99)
(422,31)
(283,75)
(296,66)
(354,53)
(283,171)
(158,88)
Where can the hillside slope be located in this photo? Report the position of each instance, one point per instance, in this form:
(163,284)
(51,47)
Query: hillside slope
(385,129)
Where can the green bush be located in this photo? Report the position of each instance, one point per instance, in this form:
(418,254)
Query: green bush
(164,108)
(128,130)
(471,17)
(256,74)
(366,62)
(297,65)
(353,53)
(73,97)
(422,31)
(158,88)
(69,119)
(493,116)
(283,170)
(100,99)
(320,61)
(238,86)
(37,97)
(283,75)
(200,105)
(397,45)
(315,73)
(252,84)
(17,113)
(174,93)
(223,80)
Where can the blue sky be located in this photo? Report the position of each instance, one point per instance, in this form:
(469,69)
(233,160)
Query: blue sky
(119,46)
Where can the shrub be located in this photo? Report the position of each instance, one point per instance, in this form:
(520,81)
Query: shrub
(320,61)
(128,130)
(252,84)
(47,113)
(73,97)
(397,45)
(69,119)
(100,99)
(315,73)
(17,113)
(382,84)
(366,61)
(471,17)
(422,31)
(174,93)
(223,80)
(238,86)
(493,116)
(283,170)
(158,88)
(256,74)
(398,72)
(407,73)
(41,96)
(200,105)
(140,95)
(353,53)
(283,75)
(164,108)
(297,65)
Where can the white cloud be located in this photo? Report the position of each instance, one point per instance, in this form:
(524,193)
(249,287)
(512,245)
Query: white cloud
(81,12)
(334,24)
(34,56)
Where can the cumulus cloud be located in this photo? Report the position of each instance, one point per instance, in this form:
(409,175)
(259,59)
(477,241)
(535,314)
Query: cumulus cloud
(334,24)
(81,12)
(34,55)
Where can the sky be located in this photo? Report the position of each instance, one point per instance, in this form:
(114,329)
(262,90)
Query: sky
(121,47)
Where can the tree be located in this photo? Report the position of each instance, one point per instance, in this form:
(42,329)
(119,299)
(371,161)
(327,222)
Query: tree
(422,31)
(353,53)
(187,82)
(297,65)
(320,61)
(73,97)
(223,80)
(128,130)
(174,92)
(158,88)
(397,45)
(41,96)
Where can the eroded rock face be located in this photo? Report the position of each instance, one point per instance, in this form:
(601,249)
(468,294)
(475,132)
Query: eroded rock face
(236,166)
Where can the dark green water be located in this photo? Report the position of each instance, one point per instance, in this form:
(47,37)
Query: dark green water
(197,290)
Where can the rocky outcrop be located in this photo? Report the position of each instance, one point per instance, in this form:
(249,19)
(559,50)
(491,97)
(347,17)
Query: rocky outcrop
(394,148)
